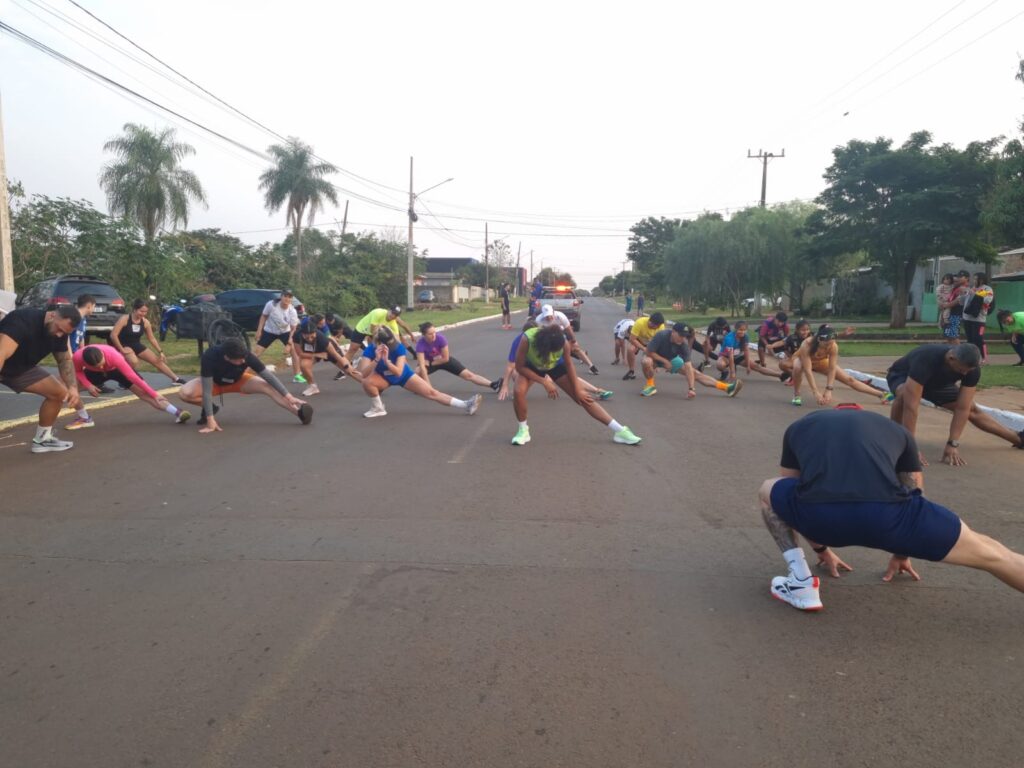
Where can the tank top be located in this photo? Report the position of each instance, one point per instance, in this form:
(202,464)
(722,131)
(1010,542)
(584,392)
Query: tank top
(534,359)
(131,334)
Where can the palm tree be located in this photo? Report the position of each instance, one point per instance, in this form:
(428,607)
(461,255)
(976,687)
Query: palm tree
(145,183)
(297,178)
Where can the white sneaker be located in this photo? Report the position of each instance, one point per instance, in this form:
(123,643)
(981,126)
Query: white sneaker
(373,413)
(51,444)
(312,389)
(800,594)
(474,404)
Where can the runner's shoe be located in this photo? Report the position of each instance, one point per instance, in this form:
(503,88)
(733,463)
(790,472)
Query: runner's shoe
(202,416)
(605,394)
(474,404)
(690,394)
(626,437)
(522,436)
(495,385)
(339,376)
(648,391)
(80,423)
(593,369)
(733,388)
(797,401)
(183,416)
(702,366)
(179,380)
(800,594)
(1020,437)
(298,378)
(887,398)
(615,362)
(786,376)
(305,413)
(51,444)
(312,389)
(373,413)
(629,375)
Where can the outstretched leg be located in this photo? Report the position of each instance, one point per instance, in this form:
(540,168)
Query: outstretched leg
(975,550)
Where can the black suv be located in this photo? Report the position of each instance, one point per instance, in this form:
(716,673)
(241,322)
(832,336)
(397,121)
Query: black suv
(65,289)
(246,304)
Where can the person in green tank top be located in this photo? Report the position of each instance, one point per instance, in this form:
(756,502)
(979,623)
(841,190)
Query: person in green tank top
(1013,324)
(541,359)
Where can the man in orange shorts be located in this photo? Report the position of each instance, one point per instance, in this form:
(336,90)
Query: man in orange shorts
(229,367)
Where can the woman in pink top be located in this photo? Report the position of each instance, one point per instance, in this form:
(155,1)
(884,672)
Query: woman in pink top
(99,363)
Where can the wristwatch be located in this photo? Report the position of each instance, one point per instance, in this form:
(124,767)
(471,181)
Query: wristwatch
(953,443)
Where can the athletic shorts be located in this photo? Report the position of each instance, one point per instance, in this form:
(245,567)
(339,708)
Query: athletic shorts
(453,367)
(952,329)
(267,338)
(99,378)
(135,346)
(399,381)
(555,373)
(915,527)
(19,382)
(357,337)
(235,386)
(937,395)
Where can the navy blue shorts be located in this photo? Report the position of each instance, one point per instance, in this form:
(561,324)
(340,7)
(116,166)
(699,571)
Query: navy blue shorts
(267,338)
(937,395)
(915,527)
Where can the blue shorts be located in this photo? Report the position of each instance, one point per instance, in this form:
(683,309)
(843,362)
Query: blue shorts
(915,527)
(407,373)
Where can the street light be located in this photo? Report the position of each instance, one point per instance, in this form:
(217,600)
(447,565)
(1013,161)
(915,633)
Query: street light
(413,218)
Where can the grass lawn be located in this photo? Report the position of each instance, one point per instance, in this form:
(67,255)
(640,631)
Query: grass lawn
(1002,376)
(898,348)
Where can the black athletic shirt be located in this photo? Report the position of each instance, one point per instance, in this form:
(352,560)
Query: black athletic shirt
(213,365)
(716,333)
(793,342)
(661,344)
(849,455)
(28,328)
(927,366)
(317,345)
(131,334)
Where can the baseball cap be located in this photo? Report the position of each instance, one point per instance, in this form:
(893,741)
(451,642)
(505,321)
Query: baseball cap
(546,311)
(682,329)
(826,333)
(963,273)
(396,310)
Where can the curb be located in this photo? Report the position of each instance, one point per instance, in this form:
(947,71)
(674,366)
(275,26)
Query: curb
(98,406)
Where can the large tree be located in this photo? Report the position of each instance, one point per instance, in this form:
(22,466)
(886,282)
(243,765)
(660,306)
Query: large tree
(647,243)
(145,182)
(297,181)
(1003,214)
(905,205)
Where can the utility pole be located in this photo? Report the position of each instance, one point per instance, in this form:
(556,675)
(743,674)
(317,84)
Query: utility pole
(6,260)
(412,219)
(764,157)
(531,267)
(624,277)
(487,266)
(344,220)
(519,252)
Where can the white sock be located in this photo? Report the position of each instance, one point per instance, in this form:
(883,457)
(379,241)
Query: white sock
(43,433)
(171,410)
(797,563)
(82,414)
(461,404)
(523,424)
(614,426)
(378,404)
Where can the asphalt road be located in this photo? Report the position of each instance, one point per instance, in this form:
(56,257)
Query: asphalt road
(415,591)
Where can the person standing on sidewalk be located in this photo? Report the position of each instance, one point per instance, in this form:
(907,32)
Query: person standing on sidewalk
(506,309)
(1013,323)
(976,305)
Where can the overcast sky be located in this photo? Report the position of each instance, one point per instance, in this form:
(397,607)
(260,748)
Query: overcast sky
(562,123)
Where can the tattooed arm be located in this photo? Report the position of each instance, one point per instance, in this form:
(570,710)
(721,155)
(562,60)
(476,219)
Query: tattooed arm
(66,366)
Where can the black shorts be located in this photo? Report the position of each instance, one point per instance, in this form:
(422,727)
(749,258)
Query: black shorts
(914,527)
(555,373)
(267,338)
(937,395)
(453,367)
(135,346)
(99,378)
(357,337)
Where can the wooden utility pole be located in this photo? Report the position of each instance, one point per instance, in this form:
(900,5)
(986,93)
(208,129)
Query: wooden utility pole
(412,218)
(487,265)
(344,221)
(764,157)
(519,252)
(6,259)
(531,267)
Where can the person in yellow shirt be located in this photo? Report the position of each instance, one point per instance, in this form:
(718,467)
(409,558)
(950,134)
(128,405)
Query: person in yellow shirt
(640,335)
(368,325)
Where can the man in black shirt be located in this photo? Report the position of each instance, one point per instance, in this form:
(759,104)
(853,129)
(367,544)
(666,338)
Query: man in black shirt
(26,337)
(716,331)
(226,368)
(506,310)
(948,377)
(853,478)
(310,345)
(669,349)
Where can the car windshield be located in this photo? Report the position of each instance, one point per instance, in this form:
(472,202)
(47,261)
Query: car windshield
(558,295)
(72,289)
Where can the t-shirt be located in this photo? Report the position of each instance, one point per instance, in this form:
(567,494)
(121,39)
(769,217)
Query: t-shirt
(1016,324)
(927,366)
(533,357)
(318,345)
(557,318)
(663,345)
(112,361)
(27,327)
(771,331)
(716,333)
(431,350)
(396,355)
(623,328)
(77,337)
(849,455)
(642,330)
(375,318)
(213,365)
(733,344)
(957,295)
(280,319)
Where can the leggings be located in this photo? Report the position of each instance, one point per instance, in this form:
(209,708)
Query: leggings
(975,331)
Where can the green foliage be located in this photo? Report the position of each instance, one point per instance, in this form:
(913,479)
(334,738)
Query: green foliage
(145,183)
(647,244)
(1003,211)
(551,276)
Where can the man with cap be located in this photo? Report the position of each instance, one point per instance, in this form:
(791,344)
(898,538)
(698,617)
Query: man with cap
(947,377)
(640,335)
(849,477)
(548,316)
(819,353)
(367,327)
(955,305)
(669,349)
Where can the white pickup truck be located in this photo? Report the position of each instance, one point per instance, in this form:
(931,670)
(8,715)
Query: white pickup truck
(563,298)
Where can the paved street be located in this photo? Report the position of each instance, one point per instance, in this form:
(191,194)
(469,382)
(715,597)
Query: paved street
(415,591)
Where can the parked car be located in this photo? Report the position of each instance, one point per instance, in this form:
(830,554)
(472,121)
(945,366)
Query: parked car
(65,289)
(563,298)
(246,304)
(426,297)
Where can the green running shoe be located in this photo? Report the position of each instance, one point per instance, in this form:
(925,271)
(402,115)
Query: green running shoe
(605,394)
(797,401)
(887,398)
(648,391)
(733,388)
(626,437)
(299,379)
(522,436)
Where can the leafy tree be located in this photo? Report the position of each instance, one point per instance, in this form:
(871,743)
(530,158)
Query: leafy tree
(647,243)
(905,205)
(608,285)
(145,183)
(1003,213)
(297,181)
(551,276)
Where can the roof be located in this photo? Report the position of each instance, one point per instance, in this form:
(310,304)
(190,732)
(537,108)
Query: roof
(1009,277)
(447,265)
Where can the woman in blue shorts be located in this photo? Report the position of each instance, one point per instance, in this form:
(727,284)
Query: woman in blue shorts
(390,368)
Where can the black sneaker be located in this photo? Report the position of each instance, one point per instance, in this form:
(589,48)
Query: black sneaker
(496,385)
(629,375)
(202,415)
(179,380)
(305,413)
(593,369)
(1020,436)
(786,376)
(723,376)
(339,376)
(702,366)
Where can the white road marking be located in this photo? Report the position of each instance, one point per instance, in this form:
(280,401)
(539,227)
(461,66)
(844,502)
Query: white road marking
(461,453)
(12,445)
